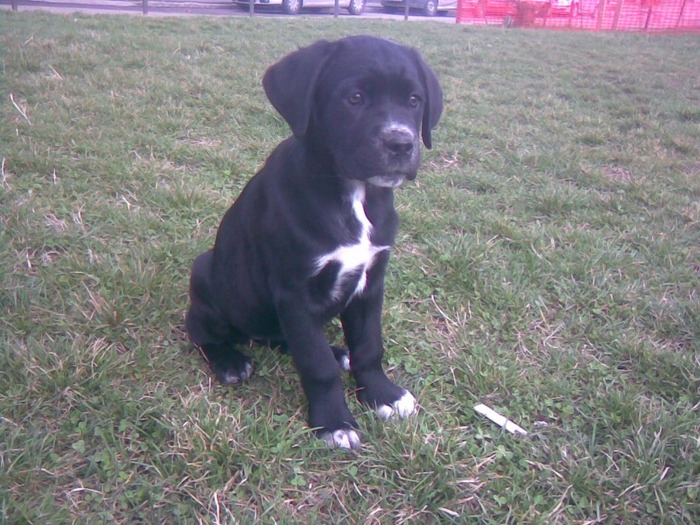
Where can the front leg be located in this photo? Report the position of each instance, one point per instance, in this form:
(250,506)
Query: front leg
(361,321)
(320,375)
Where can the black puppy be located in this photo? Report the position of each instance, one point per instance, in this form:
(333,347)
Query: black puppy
(309,237)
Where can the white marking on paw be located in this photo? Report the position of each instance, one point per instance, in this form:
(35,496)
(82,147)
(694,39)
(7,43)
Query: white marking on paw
(353,257)
(404,407)
(343,438)
(345,363)
(233,377)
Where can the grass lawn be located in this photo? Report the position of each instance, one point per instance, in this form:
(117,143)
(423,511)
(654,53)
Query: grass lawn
(548,265)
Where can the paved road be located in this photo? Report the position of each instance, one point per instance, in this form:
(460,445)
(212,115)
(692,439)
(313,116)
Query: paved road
(197,7)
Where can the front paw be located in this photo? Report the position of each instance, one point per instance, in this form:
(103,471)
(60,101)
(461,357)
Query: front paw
(403,407)
(334,424)
(232,372)
(345,438)
(385,398)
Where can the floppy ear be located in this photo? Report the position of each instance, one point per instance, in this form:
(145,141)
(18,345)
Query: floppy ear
(290,83)
(433,106)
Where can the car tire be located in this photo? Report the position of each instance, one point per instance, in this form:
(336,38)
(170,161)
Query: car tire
(430,8)
(356,7)
(291,7)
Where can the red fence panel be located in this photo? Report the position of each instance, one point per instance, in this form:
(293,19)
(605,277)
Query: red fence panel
(592,15)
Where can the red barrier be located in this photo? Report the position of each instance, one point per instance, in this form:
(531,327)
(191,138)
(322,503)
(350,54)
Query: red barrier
(592,15)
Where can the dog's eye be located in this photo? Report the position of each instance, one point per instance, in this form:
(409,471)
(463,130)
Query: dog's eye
(355,98)
(413,101)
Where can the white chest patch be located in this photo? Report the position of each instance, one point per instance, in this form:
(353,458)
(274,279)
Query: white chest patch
(357,258)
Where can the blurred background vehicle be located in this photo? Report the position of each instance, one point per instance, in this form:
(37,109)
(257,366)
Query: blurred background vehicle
(292,7)
(427,7)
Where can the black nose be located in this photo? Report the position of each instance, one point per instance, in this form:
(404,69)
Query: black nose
(398,142)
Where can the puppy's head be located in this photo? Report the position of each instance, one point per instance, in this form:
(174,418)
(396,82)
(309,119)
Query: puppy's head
(365,100)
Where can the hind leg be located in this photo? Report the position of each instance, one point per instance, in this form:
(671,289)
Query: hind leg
(210,332)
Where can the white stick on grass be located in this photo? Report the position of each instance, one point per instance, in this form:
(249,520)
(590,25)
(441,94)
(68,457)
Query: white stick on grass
(500,420)
(21,111)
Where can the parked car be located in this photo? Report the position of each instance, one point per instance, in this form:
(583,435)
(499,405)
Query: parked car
(292,7)
(427,7)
